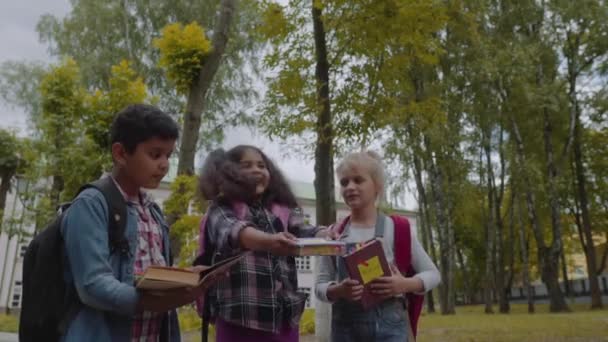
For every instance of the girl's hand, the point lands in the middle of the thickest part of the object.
(349, 289)
(282, 244)
(391, 286)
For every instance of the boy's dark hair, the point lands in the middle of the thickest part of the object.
(221, 180)
(137, 123)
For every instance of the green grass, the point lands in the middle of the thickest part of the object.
(9, 323)
(470, 324)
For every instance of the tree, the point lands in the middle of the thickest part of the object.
(192, 64)
(62, 104)
(19, 85)
(579, 30)
(98, 35)
(9, 162)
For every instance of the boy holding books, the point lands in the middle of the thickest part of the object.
(112, 309)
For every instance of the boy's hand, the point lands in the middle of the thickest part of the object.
(349, 289)
(163, 301)
(282, 244)
(198, 268)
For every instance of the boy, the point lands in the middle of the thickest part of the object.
(143, 138)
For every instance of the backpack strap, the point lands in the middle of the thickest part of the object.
(340, 226)
(117, 223)
(117, 213)
(282, 212)
(403, 259)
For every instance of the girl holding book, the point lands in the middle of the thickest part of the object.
(361, 178)
(253, 208)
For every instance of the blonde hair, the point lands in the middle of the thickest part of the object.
(369, 160)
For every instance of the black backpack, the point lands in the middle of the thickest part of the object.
(49, 304)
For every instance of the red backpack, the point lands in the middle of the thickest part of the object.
(403, 259)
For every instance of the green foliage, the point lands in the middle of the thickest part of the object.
(186, 231)
(19, 85)
(99, 35)
(126, 87)
(185, 204)
(184, 190)
(369, 64)
(182, 53)
(9, 158)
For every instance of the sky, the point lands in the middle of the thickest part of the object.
(19, 39)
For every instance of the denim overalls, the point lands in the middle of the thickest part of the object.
(385, 322)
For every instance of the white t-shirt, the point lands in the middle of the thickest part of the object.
(421, 262)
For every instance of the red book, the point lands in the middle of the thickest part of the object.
(366, 264)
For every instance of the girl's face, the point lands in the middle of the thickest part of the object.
(358, 188)
(253, 166)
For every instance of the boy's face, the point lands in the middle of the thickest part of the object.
(148, 164)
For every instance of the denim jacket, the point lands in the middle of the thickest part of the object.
(105, 282)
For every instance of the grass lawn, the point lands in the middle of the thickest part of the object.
(471, 324)
(9, 323)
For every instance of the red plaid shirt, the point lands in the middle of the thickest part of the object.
(146, 325)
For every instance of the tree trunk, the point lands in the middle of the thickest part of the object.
(604, 258)
(425, 221)
(504, 305)
(565, 272)
(445, 248)
(550, 256)
(324, 153)
(324, 161)
(489, 279)
(466, 287)
(532, 215)
(523, 244)
(425, 225)
(56, 189)
(197, 94)
(590, 254)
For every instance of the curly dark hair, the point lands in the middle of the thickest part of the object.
(221, 180)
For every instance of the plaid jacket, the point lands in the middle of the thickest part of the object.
(261, 291)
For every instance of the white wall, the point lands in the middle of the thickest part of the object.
(11, 254)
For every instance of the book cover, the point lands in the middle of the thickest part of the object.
(320, 246)
(160, 278)
(366, 264)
